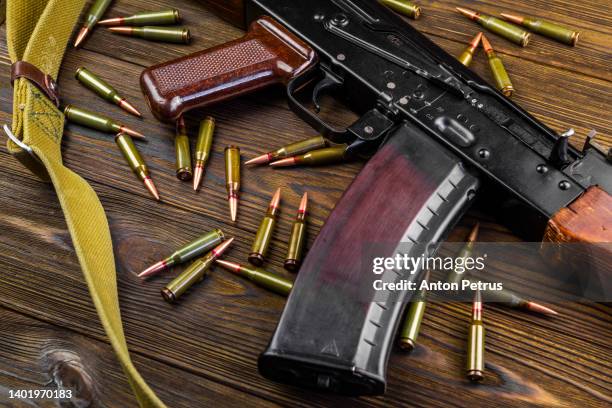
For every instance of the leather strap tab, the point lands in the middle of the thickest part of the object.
(23, 69)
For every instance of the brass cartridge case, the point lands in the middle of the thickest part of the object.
(404, 7)
(260, 246)
(184, 171)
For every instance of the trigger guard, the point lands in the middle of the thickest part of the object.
(336, 135)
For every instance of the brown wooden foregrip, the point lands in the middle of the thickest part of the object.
(580, 236)
(267, 54)
(586, 220)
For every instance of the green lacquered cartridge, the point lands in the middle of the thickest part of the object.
(95, 12)
(104, 90)
(476, 343)
(203, 146)
(500, 75)
(193, 273)
(260, 277)
(195, 248)
(179, 35)
(295, 249)
(259, 249)
(136, 162)
(292, 149)
(328, 155)
(184, 170)
(232, 178)
(97, 121)
(467, 55)
(466, 252)
(154, 18)
(545, 28)
(412, 322)
(500, 27)
(404, 7)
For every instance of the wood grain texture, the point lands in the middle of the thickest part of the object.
(205, 348)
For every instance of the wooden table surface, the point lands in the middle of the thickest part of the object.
(203, 351)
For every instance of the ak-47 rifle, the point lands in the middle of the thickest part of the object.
(437, 132)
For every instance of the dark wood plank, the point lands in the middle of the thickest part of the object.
(36, 355)
(216, 333)
(229, 320)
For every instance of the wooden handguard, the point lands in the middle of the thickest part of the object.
(267, 54)
(588, 220)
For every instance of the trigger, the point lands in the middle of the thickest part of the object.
(330, 82)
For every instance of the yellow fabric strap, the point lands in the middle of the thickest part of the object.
(38, 32)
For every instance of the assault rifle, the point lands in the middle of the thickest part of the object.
(436, 132)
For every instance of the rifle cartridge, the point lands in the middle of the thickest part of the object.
(162, 17)
(468, 54)
(136, 162)
(466, 252)
(232, 178)
(295, 249)
(545, 28)
(195, 248)
(404, 7)
(97, 9)
(504, 296)
(259, 276)
(502, 80)
(412, 322)
(178, 35)
(97, 121)
(500, 27)
(193, 273)
(476, 343)
(260, 246)
(104, 90)
(184, 171)
(317, 157)
(292, 149)
(203, 146)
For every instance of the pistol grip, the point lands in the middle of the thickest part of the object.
(266, 55)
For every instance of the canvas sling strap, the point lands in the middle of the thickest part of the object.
(37, 35)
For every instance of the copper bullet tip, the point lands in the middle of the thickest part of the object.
(230, 266)
(111, 21)
(474, 233)
(153, 269)
(131, 132)
(486, 45)
(275, 201)
(468, 13)
(513, 18)
(219, 249)
(303, 204)
(81, 36)
(125, 105)
(538, 308)
(477, 306)
(263, 159)
(289, 161)
(476, 41)
(151, 187)
(233, 205)
(198, 172)
(121, 30)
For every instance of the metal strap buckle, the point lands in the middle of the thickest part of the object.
(18, 142)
